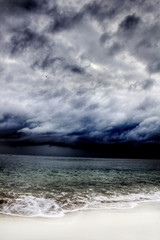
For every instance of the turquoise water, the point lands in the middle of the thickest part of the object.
(53, 186)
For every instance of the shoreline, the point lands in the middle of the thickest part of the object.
(139, 223)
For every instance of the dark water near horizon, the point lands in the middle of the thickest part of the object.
(53, 186)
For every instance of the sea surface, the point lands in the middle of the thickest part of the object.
(53, 186)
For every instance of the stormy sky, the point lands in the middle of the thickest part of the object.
(80, 74)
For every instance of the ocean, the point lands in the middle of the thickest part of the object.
(32, 186)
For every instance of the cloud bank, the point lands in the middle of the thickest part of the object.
(78, 73)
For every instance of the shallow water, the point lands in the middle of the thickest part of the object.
(52, 186)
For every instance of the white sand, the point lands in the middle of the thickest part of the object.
(141, 223)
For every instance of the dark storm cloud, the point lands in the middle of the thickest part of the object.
(80, 73)
(130, 23)
(29, 5)
(20, 5)
(9, 126)
(52, 62)
(67, 19)
(100, 10)
(75, 69)
(64, 21)
(21, 40)
(140, 35)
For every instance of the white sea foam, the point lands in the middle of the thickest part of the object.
(28, 205)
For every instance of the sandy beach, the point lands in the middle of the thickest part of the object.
(140, 223)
